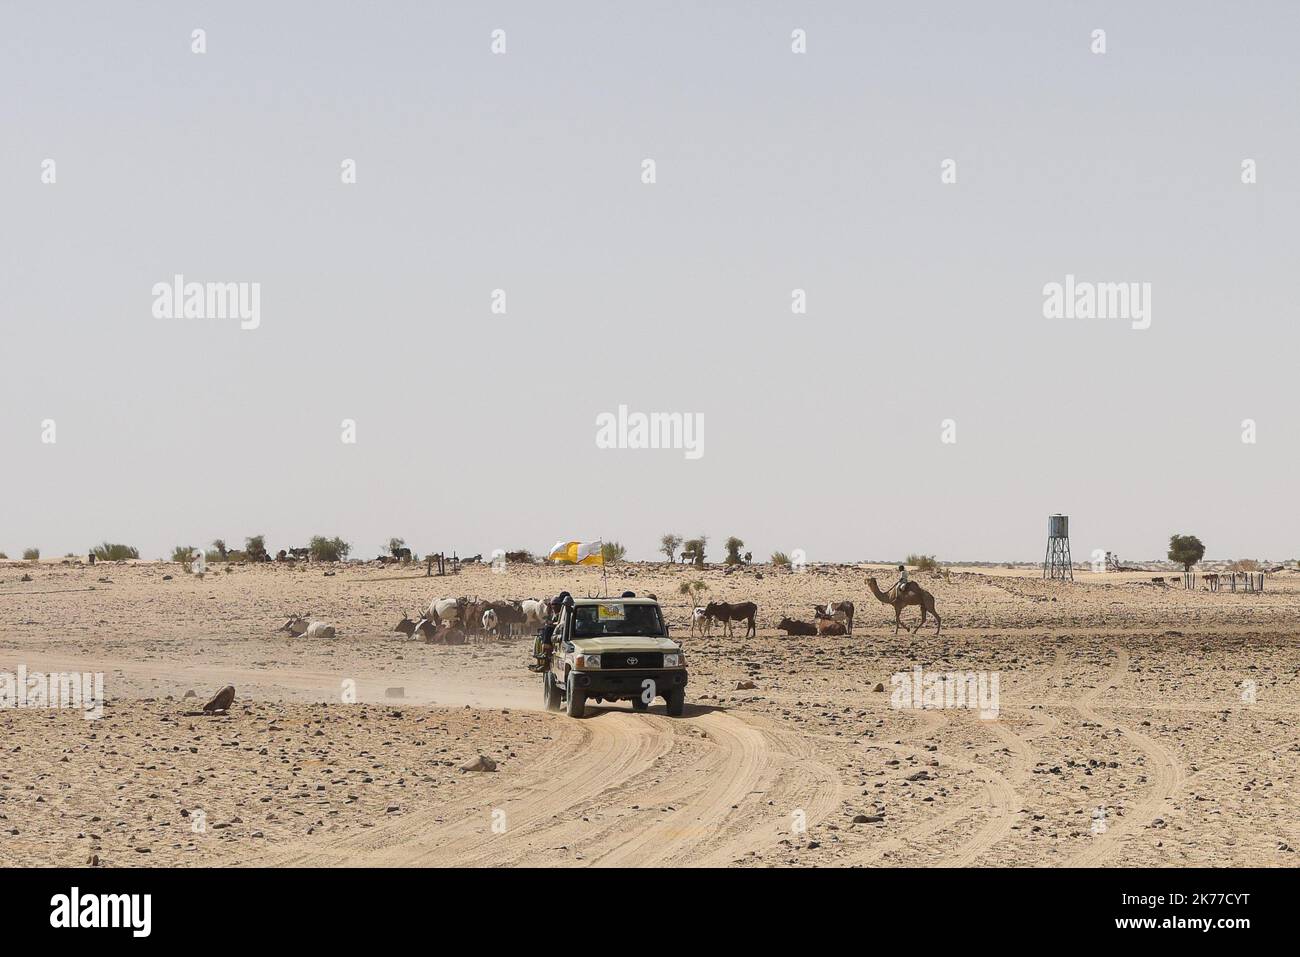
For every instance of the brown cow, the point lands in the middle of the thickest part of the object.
(829, 626)
(726, 613)
(840, 611)
(793, 628)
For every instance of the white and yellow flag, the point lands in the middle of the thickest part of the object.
(578, 553)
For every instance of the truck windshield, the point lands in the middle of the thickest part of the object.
(614, 618)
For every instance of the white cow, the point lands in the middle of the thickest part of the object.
(535, 612)
(701, 623)
(490, 622)
(445, 609)
(299, 627)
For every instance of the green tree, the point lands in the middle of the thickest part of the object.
(255, 548)
(669, 545)
(1187, 550)
(733, 546)
(693, 550)
(611, 552)
(328, 549)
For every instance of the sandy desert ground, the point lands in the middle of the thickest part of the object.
(1120, 703)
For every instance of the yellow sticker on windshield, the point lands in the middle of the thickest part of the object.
(610, 613)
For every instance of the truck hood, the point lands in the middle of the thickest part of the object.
(594, 646)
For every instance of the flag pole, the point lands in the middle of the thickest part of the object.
(604, 575)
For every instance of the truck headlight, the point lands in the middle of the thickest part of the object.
(672, 661)
(588, 661)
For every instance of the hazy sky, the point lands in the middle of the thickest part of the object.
(775, 171)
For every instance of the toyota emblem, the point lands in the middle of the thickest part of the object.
(631, 661)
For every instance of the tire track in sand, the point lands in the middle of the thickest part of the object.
(1165, 770)
(585, 759)
(574, 800)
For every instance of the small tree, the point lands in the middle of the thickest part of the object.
(31, 554)
(669, 545)
(328, 549)
(692, 590)
(183, 554)
(693, 550)
(255, 548)
(395, 545)
(611, 552)
(780, 559)
(924, 563)
(1187, 550)
(219, 546)
(733, 546)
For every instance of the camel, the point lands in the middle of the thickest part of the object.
(914, 596)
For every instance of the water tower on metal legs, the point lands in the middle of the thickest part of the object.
(1057, 563)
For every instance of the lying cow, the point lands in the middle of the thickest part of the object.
(829, 626)
(840, 611)
(800, 628)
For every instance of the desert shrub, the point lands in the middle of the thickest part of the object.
(612, 552)
(922, 563)
(183, 554)
(31, 554)
(520, 556)
(115, 552)
(693, 550)
(3, 557)
(733, 545)
(1245, 565)
(780, 559)
(328, 549)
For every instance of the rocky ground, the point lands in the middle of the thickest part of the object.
(1135, 725)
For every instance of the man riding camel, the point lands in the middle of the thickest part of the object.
(902, 585)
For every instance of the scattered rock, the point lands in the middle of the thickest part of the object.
(480, 763)
(222, 701)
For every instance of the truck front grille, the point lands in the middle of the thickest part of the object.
(631, 659)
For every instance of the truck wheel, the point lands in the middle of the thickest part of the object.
(676, 700)
(576, 700)
(550, 693)
(638, 704)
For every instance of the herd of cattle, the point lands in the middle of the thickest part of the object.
(453, 621)
(833, 618)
